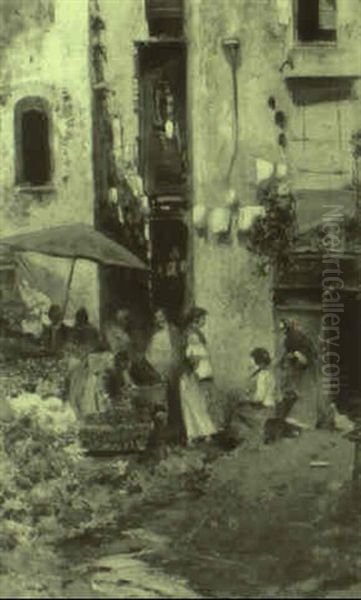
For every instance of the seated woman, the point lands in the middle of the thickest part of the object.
(117, 332)
(87, 386)
(119, 380)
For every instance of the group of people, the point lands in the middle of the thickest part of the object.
(191, 380)
(56, 335)
(180, 354)
(286, 387)
(176, 355)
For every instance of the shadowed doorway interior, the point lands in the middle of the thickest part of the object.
(350, 355)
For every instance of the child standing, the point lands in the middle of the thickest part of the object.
(264, 384)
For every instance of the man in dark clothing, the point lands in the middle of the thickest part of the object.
(55, 335)
(84, 333)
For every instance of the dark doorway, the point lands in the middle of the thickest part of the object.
(123, 288)
(162, 124)
(169, 238)
(350, 355)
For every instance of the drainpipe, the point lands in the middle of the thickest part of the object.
(231, 48)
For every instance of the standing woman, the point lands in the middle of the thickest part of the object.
(164, 357)
(159, 352)
(196, 383)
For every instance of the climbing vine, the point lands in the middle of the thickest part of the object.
(121, 218)
(356, 144)
(356, 154)
(272, 236)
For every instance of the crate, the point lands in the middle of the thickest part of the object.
(150, 397)
(125, 428)
(115, 439)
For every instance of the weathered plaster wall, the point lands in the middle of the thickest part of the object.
(44, 52)
(239, 302)
(319, 149)
(342, 58)
(120, 200)
(124, 25)
(266, 32)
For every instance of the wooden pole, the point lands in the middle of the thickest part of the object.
(356, 475)
(67, 291)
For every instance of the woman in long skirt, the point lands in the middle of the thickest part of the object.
(196, 382)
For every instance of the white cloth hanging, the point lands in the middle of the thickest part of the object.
(264, 169)
(219, 220)
(247, 216)
(284, 11)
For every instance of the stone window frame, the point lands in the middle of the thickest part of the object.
(23, 105)
(313, 42)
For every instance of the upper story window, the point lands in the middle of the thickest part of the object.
(165, 17)
(32, 139)
(316, 20)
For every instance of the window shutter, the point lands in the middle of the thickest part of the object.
(327, 14)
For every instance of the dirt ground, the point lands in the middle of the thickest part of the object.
(277, 520)
(269, 521)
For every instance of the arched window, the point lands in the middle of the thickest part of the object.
(32, 138)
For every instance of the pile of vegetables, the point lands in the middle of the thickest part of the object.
(40, 490)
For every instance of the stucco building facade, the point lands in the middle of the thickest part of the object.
(165, 117)
(44, 71)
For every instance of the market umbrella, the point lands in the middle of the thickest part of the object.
(74, 241)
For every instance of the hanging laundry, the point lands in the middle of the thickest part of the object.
(144, 204)
(169, 129)
(136, 184)
(219, 220)
(113, 195)
(247, 216)
(231, 198)
(327, 14)
(117, 137)
(120, 215)
(283, 189)
(284, 11)
(199, 216)
(264, 169)
(281, 170)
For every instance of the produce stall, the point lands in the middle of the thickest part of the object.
(127, 425)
